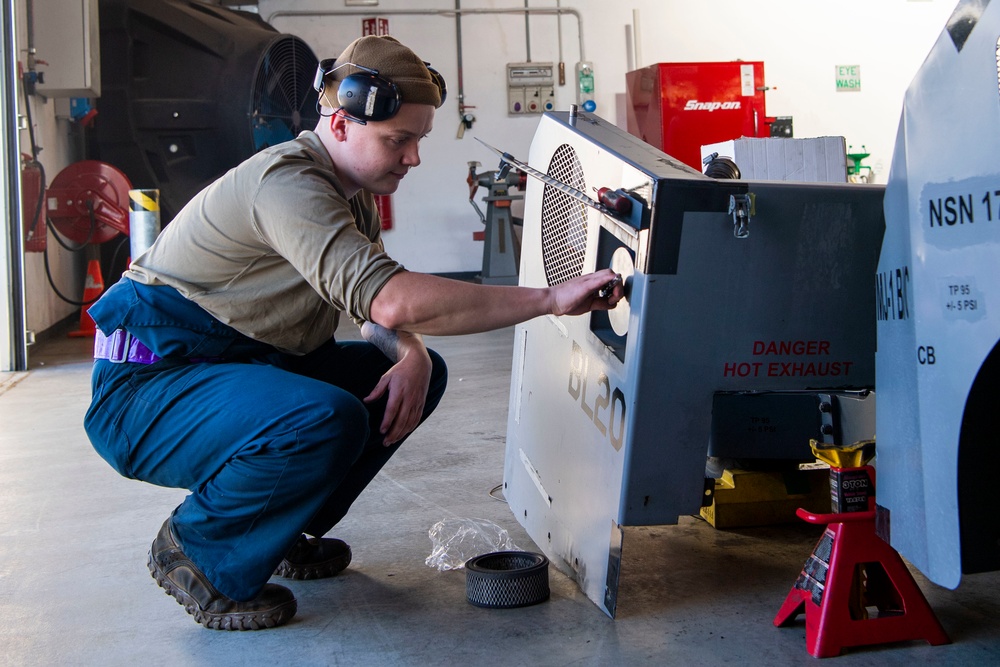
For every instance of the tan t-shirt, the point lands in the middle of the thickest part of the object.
(274, 249)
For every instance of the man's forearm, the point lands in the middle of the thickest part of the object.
(439, 306)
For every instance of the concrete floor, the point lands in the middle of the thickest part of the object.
(74, 589)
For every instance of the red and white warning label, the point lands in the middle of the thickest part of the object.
(799, 358)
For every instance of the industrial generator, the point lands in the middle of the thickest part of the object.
(747, 330)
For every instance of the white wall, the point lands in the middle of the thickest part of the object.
(42, 307)
(433, 220)
(800, 42)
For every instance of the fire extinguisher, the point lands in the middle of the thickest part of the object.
(32, 204)
(384, 205)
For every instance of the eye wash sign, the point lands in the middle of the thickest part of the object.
(848, 78)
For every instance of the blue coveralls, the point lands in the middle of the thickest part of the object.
(271, 445)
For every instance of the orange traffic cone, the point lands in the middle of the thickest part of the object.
(92, 289)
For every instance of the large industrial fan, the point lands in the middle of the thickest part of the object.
(191, 89)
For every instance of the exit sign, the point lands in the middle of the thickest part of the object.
(848, 78)
(375, 26)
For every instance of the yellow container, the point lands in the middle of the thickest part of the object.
(754, 498)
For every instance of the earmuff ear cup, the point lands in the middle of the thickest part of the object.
(368, 97)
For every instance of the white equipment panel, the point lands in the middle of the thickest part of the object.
(938, 309)
(752, 297)
(67, 39)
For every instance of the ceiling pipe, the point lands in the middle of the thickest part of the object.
(527, 32)
(562, 62)
(465, 117)
(636, 43)
(458, 41)
(374, 11)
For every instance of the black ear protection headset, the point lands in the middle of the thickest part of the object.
(365, 96)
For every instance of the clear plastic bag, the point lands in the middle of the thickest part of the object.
(454, 541)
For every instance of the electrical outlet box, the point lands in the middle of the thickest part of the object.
(516, 101)
(67, 48)
(530, 88)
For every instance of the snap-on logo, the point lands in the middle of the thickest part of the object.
(695, 105)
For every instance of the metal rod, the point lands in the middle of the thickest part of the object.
(562, 63)
(374, 11)
(636, 43)
(565, 188)
(629, 49)
(458, 41)
(527, 32)
(29, 15)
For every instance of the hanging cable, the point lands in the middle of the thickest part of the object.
(71, 248)
(48, 273)
(35, 150)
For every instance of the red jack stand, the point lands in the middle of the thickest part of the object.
(851, 570)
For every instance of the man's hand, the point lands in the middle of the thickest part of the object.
(404, 385)
(582, 295)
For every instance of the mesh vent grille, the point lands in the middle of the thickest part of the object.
(564, 219)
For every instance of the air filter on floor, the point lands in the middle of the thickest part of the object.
(507, 579)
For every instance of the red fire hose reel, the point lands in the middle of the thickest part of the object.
(88, 202)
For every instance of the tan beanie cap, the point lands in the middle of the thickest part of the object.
(395, 62)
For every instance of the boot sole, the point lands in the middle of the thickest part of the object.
(314, 571)
(256, 620)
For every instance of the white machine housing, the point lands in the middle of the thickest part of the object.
(938, 309)
(727, 347)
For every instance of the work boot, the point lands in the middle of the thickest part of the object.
(315, 558)
(179, 577)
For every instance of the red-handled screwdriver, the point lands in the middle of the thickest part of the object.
(616, 200)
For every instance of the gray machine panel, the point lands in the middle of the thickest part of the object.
(612, 428)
